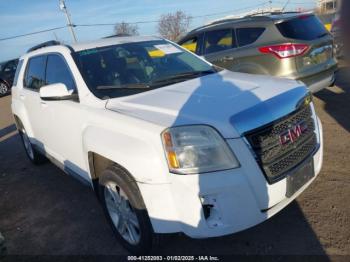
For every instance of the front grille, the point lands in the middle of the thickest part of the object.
(275, 158)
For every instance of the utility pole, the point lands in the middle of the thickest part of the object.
(63, 8)
(285, 6)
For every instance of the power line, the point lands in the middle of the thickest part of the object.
(193, 17)
(144, 22)
(32, 33)
(110, 24)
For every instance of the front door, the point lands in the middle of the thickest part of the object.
(29, 96)
(64, 118)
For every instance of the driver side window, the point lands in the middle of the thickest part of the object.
(57, 71)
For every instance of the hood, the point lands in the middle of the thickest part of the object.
(233, 103)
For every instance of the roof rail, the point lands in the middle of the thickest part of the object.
(45, 44)
(236, 19)
(226, 20)
(268, 13)
(117, 35)
(263, 16)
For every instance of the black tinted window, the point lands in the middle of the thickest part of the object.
(57, 71)
(11, 66)
(247, 36)
(191, 44)
(19, 66)
(218, 40)
(306, 27)
(35, 77)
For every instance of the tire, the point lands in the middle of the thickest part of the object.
(4, 89)
(32, 153)
(3, 250)
(127, 214)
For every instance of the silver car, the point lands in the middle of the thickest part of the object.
(291, 45)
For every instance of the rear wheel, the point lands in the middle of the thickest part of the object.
(125, 210)
(3, 89)
(33, 154)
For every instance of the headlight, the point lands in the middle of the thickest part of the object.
(196, 149)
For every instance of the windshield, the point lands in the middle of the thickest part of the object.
(127, 69)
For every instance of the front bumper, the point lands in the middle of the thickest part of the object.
(238, 199)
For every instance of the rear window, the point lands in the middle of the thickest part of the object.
(306, 27)
(247, 36)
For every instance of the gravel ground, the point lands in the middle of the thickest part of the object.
(45, 212)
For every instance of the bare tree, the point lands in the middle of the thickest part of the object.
(125, 28)
(173, 25)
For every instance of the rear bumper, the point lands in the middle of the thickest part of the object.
(322, 83)
(338, 45)
(320, 80)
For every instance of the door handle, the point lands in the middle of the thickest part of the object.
(22, 97)
(228, 58)
(43, 104)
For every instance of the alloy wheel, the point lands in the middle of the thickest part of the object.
(3, 88)
(122, 213)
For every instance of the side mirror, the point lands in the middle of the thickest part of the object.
(56, 92)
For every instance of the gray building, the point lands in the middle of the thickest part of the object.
(328, 6)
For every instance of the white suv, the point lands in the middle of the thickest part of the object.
(169, 142)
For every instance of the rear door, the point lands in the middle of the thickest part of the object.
(219, 47)
(308, 29)
(248, 57)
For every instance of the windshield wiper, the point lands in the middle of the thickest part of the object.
(181, 77)
(124, 86)
(158, 82)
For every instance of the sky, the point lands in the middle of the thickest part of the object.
(25, 16)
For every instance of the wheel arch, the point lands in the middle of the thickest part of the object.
(21, 118)
(5, 82)
(137, 153)
(18, 122)
(97, 164)
(141, 154)
(149, 193)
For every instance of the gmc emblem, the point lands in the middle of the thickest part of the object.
(293, 133)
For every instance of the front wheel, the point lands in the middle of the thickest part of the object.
(125, 210)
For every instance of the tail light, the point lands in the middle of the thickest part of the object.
(285, 50)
